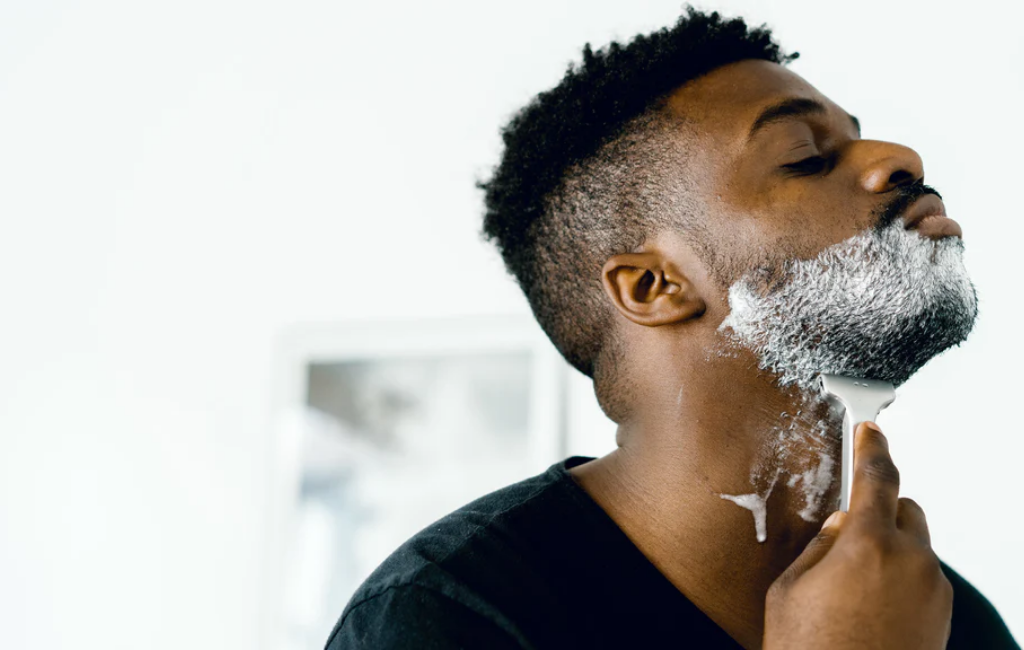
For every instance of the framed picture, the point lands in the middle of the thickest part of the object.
(382, 428)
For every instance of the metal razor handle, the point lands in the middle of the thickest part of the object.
(862, 400)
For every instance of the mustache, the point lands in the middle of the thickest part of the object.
(903, 197)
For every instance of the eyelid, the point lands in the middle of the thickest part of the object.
(811, 165)
(788, 155)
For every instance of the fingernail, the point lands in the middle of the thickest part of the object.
(832, 519)
(874, 427)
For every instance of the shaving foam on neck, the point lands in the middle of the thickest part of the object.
(798, 452)
(758, 506)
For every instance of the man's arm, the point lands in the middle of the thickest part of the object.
(413, 617)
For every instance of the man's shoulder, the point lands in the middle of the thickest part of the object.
(411, 615)
(453, 571)
(493, 523)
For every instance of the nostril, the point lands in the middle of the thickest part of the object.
(900, 177)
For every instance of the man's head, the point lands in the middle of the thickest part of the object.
(576, 184)
(661, 173)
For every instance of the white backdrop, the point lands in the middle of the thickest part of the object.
(180, 181)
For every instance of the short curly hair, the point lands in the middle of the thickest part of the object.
(574, 187)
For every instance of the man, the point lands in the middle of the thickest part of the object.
(703, 233)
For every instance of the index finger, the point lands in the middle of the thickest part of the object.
(875, 492)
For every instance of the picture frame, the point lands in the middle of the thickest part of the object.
(380, 428)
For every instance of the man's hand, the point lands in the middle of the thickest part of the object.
(870, 579)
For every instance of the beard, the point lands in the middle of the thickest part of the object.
(879, 305)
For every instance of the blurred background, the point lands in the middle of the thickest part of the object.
(251, 339)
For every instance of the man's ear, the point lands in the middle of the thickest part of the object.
(649, 291)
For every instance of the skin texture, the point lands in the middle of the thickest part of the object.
(697, 422)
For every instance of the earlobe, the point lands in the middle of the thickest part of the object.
(648, 291)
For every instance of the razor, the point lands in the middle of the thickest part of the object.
(861, 400)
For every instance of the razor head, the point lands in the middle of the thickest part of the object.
(862, 399)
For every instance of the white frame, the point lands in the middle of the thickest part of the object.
(300, 346)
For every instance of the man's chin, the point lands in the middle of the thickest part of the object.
(880, 305)
(895, 358)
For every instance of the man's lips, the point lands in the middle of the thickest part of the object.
(927, 216)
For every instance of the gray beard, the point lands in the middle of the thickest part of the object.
(879, 305)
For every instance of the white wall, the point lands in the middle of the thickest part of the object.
(180, 181)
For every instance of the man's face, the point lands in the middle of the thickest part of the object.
(792, 185)
(807, 229)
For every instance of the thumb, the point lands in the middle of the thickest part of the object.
(816, 549)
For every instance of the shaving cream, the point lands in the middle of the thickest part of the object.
(758, 506)
(801, 451)
(878, 305)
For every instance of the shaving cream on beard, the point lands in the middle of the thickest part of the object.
(877, 305)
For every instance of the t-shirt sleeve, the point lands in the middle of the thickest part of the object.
(976, 623)
(408, 617)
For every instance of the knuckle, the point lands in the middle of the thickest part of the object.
(822, 540)
(945, 589)
(924, 562)
(908, 511)
(881, 469)
(910, 504)
(778, 590)
(924, 566)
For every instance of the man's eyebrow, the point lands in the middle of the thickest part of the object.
(792, 107)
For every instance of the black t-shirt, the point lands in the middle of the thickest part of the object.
(539, 565)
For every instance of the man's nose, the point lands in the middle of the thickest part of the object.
(885, 166)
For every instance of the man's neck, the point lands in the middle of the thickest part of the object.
(706, 470)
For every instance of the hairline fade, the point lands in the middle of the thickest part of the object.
(577, 182)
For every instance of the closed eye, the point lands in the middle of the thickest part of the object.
(811, 165)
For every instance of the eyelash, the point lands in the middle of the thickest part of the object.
(808, 166)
